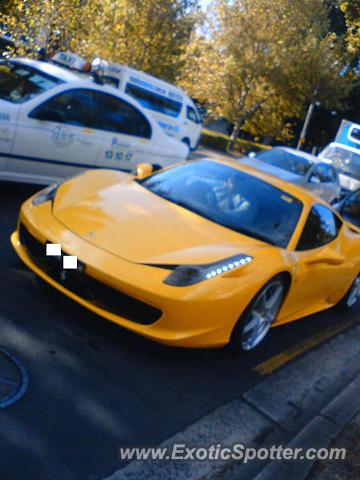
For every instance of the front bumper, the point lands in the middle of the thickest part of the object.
(198, 316)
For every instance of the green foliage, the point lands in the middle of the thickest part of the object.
(149, 35)
(261, 62)
(351, 10)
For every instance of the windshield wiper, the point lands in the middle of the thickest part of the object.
(256, 235)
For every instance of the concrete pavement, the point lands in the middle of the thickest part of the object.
(305, 405)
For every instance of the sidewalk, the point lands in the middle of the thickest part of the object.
(348, 469)
(306, 404)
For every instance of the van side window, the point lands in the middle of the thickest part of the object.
(153, 101)
(191, 114)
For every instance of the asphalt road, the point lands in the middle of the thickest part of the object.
(93, 386)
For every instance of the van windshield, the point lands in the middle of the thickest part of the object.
(19, 82)
(346, 161)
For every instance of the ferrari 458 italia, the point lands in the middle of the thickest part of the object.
(201, 254)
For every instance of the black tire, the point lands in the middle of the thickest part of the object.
(237, 337)
(349, 301)
(186, 141)
(44, 286)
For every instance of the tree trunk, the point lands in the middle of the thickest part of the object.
(240, 122)
(235, 133)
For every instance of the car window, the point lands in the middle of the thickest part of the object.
(230, 197)
(93, 109)
(19, 82)
(154, 101)
(191, 114)
(78, 107)
(121, 117)
(350, 209)
(286, 161)
(322, 226)
(324, 173)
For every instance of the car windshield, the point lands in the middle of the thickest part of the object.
(19, 82)
(231, 198)
(286, 161)
(346, 161)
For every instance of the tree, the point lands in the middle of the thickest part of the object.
(36, 25)
(351, 10)
(149, 35)
(260, 62)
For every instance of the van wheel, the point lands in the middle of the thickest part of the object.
(187, 142)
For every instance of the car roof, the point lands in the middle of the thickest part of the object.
(299, 153)
(148, 77)
(305, 196)
(63, 74)
(272, 169)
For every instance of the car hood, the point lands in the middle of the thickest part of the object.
(275, 171)
(113, 212)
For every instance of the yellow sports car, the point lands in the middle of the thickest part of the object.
(197, 255)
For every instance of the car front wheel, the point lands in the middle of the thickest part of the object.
(258, 318)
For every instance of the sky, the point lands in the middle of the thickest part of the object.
(205, 3)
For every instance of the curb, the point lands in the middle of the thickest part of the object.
(306, 405)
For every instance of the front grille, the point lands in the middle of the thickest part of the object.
(87, 287)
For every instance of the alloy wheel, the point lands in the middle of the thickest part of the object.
(262, 315)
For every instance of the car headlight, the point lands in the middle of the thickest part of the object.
(185, 275)
(46, 195)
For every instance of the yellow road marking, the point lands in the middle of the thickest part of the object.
(272, 364)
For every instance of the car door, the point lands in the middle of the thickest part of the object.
(332, 189)
(126, 134)
(56, 137)
(322, 180)
(8, 119)
(322, 270)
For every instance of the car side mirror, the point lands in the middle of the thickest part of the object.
(314, 179)
(144, 170)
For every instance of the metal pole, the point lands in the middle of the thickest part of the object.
(305, 126)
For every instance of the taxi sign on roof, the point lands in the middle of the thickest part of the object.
(70, 60)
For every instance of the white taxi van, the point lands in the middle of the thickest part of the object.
(174, 110)
(55, 122)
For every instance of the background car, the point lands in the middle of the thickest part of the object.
(300, 168)
(349, 208)
(55, 123)
(201, 254)
(347, 161)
